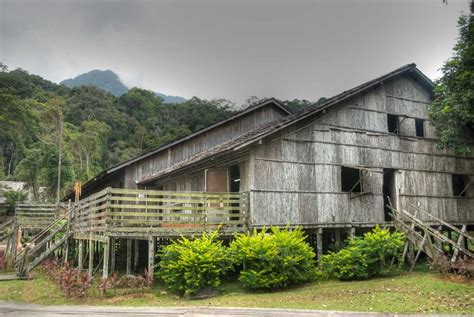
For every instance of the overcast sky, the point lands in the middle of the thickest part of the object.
(229, 49)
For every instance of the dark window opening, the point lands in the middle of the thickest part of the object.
(388, 189)
(419, 127)
(350, 180)
(392, 123)
(459, 185)
(234, 185)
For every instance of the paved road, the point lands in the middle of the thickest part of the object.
(27, 310)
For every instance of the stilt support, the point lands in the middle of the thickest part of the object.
(129, 257)
(80, 257)
(135, 254)
(319, 244)
(91, 258)
(106, 261)
(151, 255)
(112, 255)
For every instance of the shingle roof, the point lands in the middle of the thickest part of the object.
(274, 126)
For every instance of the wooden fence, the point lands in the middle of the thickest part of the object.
(128, 212)
(36, 216)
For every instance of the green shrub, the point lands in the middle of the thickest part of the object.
(188, 266)
(364, 257)
(273, 260)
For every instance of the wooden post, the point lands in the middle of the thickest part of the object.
(352, 233)
(129, 257)
(151, 255)
(91, 258)
(459, 244)
(112, 255)
(80, 258)
(319, 244)
(337, 237)
(105, 268)
(135, 254)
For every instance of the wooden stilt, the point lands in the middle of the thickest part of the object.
(135, 254)
(80, 257)
(112, 255)
(319, 244)
(337, 238)
(106, 261)
(151, 255)
(91, 258)
(352, 233)
(129, 256)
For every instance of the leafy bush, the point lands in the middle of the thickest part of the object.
(273, 260)
(364, 257)
(189, 266)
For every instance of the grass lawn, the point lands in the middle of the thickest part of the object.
(406, 293)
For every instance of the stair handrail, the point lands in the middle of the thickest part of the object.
(41, 233)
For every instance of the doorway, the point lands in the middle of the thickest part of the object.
(388, 190)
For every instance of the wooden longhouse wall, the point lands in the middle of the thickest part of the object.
(296, 174)
(199, 143)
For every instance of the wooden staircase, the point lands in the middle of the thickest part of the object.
(423, 235)
(6, 230)
(43, 245)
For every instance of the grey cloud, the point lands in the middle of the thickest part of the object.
(232, 49)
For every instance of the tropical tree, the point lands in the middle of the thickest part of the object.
(452, 111)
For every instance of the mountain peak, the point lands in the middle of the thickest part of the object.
(105, 79)
(110, 82)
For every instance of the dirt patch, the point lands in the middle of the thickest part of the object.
(455, 278)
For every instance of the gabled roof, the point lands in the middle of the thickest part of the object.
(275, 126)
(235, 116)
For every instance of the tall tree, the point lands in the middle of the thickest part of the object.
(452, 112)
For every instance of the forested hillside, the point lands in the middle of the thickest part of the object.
(94, 128)
(91, 128)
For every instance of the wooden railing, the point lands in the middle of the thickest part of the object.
(141, 212)
(36, 216)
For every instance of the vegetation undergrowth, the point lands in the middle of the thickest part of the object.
(364, 257)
